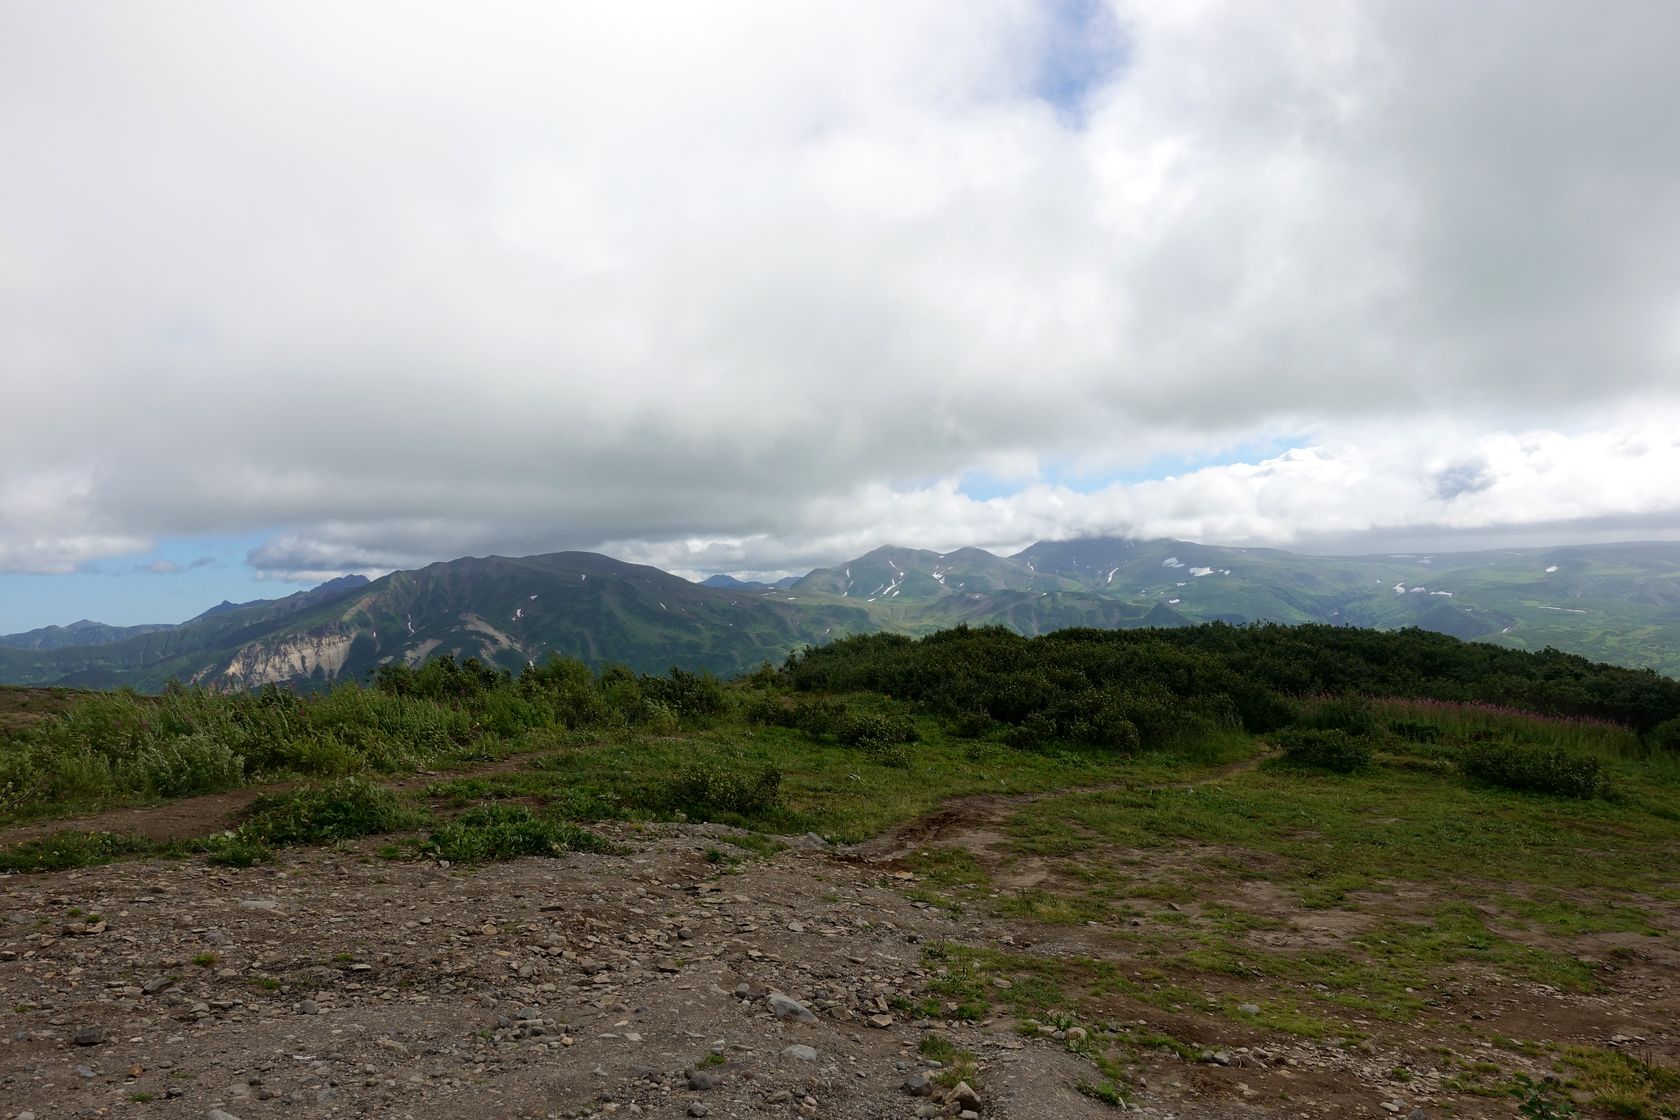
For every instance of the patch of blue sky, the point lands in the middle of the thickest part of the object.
(1069, 475)
(177, 579)
(1082, 50)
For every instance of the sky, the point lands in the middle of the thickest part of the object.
(294, 289)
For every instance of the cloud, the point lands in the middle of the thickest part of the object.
(162, 568)
(1464, 477)
(751, 284)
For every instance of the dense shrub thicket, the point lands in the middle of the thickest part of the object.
(1084, 685)
(1325, 749)
(1332, 698)
(1533, 769)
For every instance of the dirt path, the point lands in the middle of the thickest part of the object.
(215, 812)
(976, 822)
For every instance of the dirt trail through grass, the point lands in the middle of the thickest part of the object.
(211, 813)
(975, 823)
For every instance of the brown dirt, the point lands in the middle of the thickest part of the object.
(338, 984)
(215, 812)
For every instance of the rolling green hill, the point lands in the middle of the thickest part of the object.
(1615, 603)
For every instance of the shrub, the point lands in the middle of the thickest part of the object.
(1330, 749)
(1533, 769)
(181, 767)
(970, 723)
(341, 810)
(1666, 735)
(1344, 713)
(819, 718)
(876, 732)
(705, 789)
(690, 695)
(1415, 731)
(58, 851)
(497, 832)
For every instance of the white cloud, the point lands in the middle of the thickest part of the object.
(750, 286)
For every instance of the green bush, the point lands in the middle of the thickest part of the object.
(1533, 769)
(1330, 749)
(873, 731)
(818, 717)
(1666, 735)
(692, 696)
(497, 832)
(1344, 713)
(1415, 731)
(68, 848)
(343, 810)
(703, 790)
(183, 766)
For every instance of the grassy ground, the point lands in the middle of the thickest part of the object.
(1332, 907)
(1180, 887)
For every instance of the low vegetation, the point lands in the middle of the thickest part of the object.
(1203, 802)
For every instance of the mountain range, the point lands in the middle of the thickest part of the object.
(1618, 603)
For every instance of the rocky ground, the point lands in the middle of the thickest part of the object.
(661, 980)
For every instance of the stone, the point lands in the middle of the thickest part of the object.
(218, 1114)
(258, 904)
(698, 1109)
(1076, 1034)
(919, 1085)
(155, 985)
(788, 1008)
(308, 1007)
(880, 1022)
(963, 1096)
(800, 1052)
(90, 1036)
(86, 1073)
(1248, 1008)
(700, 1081)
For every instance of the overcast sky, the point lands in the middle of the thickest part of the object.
(298, 288)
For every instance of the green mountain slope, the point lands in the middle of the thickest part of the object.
(1615, 603)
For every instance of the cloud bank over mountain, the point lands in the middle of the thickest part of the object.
(754, 286)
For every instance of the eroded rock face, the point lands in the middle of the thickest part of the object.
(263, 663)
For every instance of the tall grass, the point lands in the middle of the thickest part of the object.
(116, 746)
(1471, 722)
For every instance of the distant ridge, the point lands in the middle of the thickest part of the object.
(1615, 603)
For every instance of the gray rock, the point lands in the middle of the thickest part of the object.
(308, 1007)
(218, 1114)
(85, 1072)
(90, 1036)
(1248, 1008)
(697, 1109)
(258, 904)
(788, 1008)
(919, 1085)
(700, 1081)
(801, 1052)
(155, 985)
(964, 1097)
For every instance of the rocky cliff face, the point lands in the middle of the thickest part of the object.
(274, 662)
